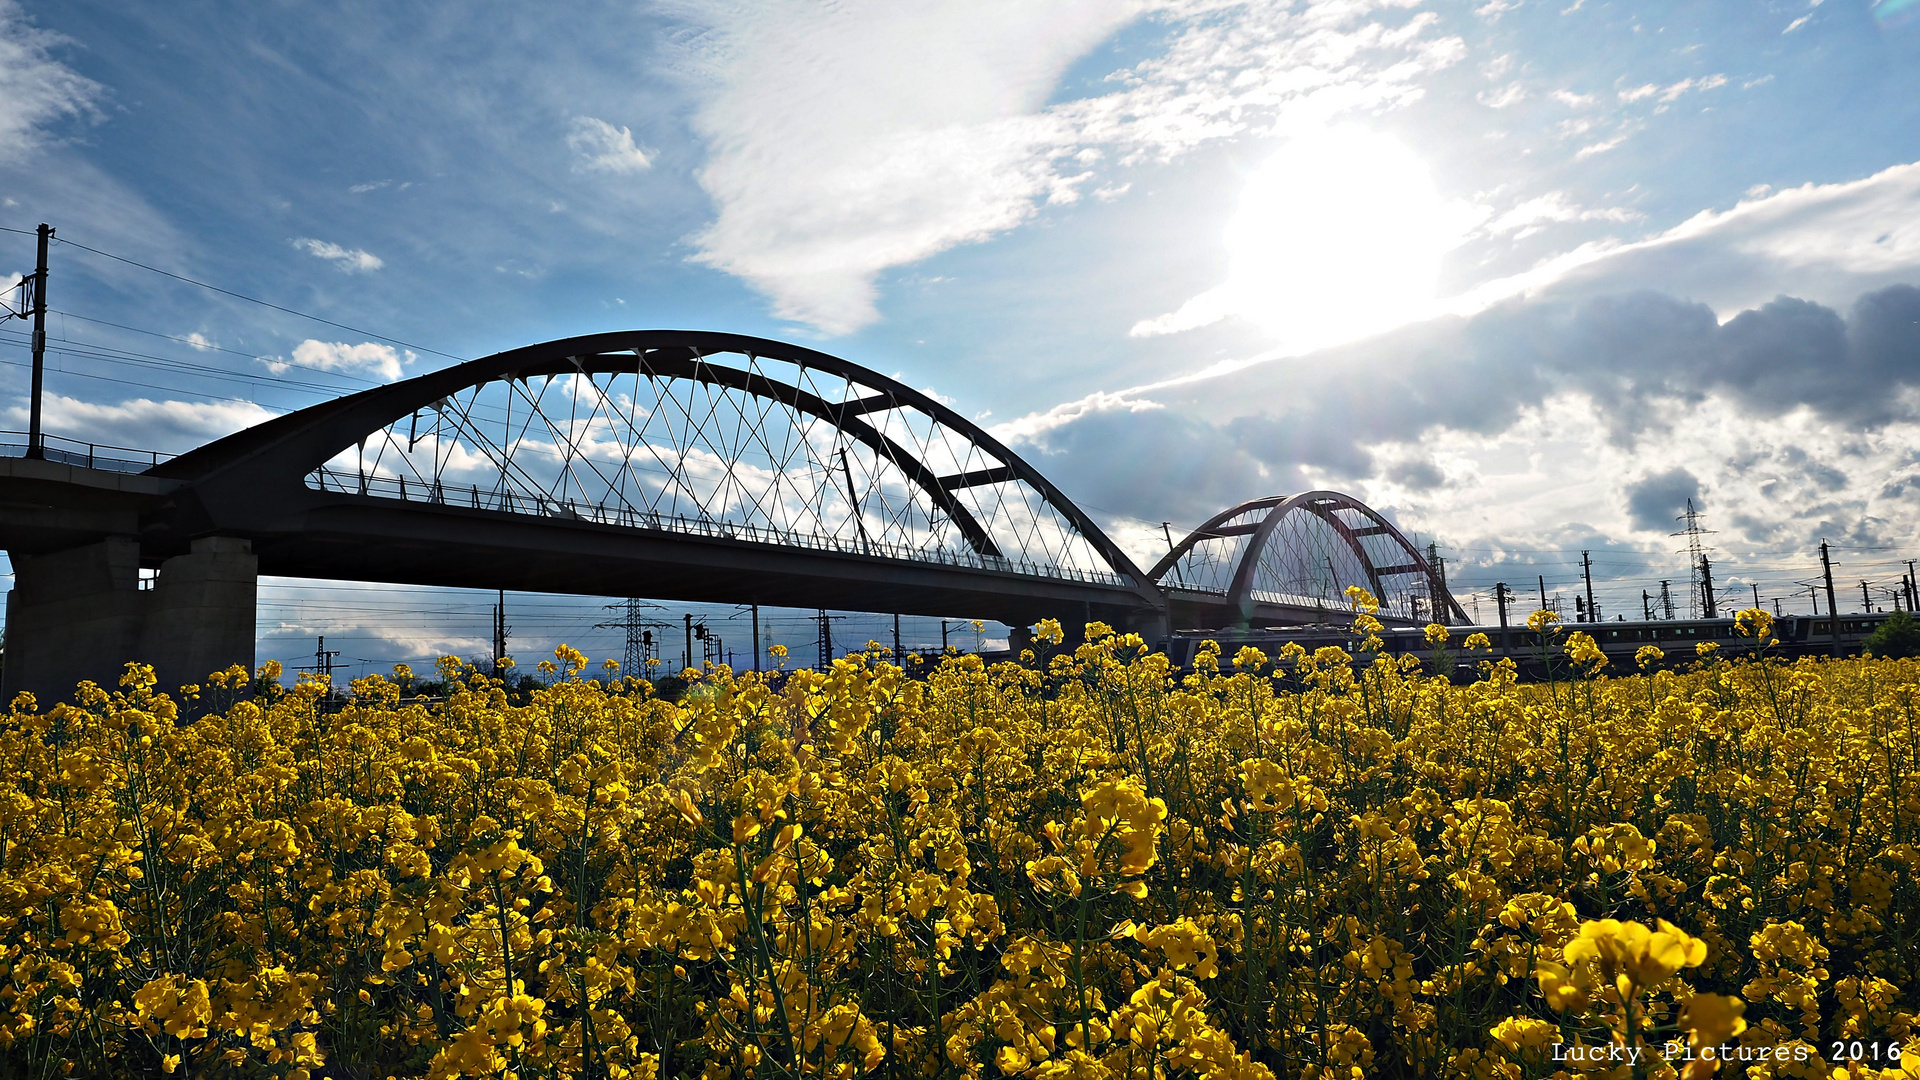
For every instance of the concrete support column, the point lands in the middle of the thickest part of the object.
(73, 615)
(82, 614)
(200, 615)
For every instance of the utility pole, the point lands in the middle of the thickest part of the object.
(1166, 530)
(1500, 597)
(500, 634)
(36, 438)
(826, 641)
(756, 637)
(1586, 570)
(687, 657)
(323, 661)
(1542, 578)
(1814, 597)
(1666, 599)
(897, 658)
(1646, 605)
(1913, 588)
(1833, 606)
(1706, 589)
(1866, 602)
(1756, 593)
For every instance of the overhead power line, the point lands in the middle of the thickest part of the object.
(211, 347)
(254, 299)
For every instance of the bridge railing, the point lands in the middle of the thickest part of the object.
(87, 455)
(628, 516)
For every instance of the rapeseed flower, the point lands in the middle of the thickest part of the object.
(1311, 866)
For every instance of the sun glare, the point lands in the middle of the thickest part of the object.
(1339, 236)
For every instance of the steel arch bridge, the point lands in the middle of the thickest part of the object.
(1288, 559)
(672, 464)
(681, 465)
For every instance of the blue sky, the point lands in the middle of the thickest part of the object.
(1522, 273)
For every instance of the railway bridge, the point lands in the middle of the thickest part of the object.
(672, 464)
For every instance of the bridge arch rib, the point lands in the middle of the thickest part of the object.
(701, 434)
(1290, 559)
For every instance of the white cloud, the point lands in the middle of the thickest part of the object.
(362, 189)
(352, 260)
(1511, 94)
(845, 141)
(1033, 427)
(368, 359)
(200, 341)
(166, 426)
(1555, 467)
(1555, 207)
(1598, 148)
(1569, 98)
(35, 89)
(601, 147)
(1823, 242)
(1669, 94)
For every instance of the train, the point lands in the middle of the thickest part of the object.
(1797, 636)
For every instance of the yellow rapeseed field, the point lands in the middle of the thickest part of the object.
(1083, 865)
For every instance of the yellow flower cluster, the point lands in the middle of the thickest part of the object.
(1080, 866)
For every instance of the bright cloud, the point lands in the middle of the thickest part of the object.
(352, 260)
(368, 359)
(166, 426)
(844, 142)
(1339, 236)
(1555, 207)
(1600, 147)
(1832, 240)
(1671, 93)
(35, 89)
(1511, 94)
(601, 147)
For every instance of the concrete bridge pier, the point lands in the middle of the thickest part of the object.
(82, 614)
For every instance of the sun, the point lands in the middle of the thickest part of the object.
(1339, 236)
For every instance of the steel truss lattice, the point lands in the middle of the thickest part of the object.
(725, 436)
